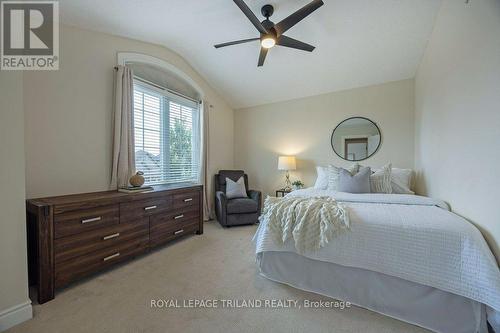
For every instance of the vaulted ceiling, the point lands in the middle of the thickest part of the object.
(358, 42)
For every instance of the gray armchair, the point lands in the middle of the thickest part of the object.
(237, 211)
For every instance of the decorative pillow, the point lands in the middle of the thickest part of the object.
(380, 180)
(333, 175)
(401, 181)
(322, 179)
(236, 189)
(358, 183)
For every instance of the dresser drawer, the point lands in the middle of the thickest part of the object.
(133, 211)
(164, 233)
(187, 199)
(92, 262)
(178, 216)
(76, 245)
(74, 222)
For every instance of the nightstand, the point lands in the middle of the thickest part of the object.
(283, 192)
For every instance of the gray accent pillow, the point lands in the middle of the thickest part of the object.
(236, 189)
(333, 175)
(358, 183)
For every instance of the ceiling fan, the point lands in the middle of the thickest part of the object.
(272, 34)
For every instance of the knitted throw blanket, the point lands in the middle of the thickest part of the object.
(311, 222)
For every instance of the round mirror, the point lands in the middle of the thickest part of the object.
(356, 139)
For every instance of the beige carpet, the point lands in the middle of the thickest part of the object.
(217, 265)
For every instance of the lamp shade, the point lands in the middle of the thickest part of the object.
(286, 163)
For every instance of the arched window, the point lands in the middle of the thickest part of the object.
(167, 127)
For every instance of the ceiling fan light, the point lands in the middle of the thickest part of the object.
(268, 42)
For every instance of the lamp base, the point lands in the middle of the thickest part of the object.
(288, 184)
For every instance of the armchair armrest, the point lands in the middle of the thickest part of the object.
(220, 206)
(221, 196)
(257, 196)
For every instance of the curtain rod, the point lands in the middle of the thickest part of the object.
(164, 88)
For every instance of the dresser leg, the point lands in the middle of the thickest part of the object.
(45, 254)
(45, 294)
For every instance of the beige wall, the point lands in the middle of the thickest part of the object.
(303, 128)
(68, 114)
(458, 113)
(14, 303)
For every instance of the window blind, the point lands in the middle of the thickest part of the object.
(167, 136)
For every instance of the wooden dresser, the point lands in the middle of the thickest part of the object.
(72, 236)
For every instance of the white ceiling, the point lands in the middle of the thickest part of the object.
(358, 42)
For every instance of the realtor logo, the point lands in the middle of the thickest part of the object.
(30, 35)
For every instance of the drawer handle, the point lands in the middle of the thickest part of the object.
(179, 232)
(94, 219)
(188, 199)
(150, 207)
(111, 256)
(178, 217)
(111, 236)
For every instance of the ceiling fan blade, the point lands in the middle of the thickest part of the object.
(296, 17)
(294, 44)
(236, 42)
(250, 15)
(262, 56)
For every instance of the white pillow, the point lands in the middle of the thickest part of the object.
(236, 189)
(380, 180)
(401, 181)
(333, 175)
(322, 179)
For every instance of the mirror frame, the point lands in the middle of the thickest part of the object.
(356, 117)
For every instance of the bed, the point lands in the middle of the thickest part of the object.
(404, 256)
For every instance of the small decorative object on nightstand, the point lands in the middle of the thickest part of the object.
(297, 185)
(283, 192)
(287, 163)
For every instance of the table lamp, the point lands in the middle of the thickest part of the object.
(287, 163)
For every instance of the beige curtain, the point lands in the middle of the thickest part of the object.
(123, 130)
(207, 202)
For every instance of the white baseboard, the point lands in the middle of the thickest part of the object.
(15, 315)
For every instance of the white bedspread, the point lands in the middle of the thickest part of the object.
(410, 237)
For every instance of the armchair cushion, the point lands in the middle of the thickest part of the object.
(242, 206)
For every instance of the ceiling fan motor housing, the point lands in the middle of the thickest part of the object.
(267, 11)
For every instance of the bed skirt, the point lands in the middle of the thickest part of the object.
(424, 306)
